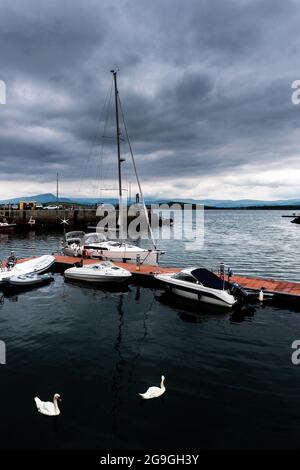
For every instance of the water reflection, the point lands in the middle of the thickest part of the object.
(193, 312)
(119, 367)
(105, 287)
(145, 331)
(190, 311)
(12, 292)
(119, 379)
(10, 296)
(4, 237)
(31, 235)
(240, 315)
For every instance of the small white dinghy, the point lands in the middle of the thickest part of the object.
(35, 265)
(98, 273)
(31, 279)
(48, 408)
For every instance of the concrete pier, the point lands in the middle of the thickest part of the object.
(78, 218)
(45, 218)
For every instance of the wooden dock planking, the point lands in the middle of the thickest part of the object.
(251, 283)
(269, 285)
(146, 271)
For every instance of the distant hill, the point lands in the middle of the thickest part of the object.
(50, 198)
(228, 203)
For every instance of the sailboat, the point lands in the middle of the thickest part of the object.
(96, 245)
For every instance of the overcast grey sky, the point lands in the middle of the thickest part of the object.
(205, 84)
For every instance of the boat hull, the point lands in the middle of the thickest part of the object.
(198, 297)
(124, 256)
(36, 265)
(147, 258)
(97, 274)
(28, 280)
(96, 280)
(198, 293)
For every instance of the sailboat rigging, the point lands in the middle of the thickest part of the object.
(96, 245)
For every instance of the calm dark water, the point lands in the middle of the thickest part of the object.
(230, 381)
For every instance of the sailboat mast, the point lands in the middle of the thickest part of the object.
(57, 190)
(118, 134)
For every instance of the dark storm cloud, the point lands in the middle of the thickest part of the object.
(205, 85)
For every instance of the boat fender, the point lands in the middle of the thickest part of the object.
(138, 262)
(76, 249)
(261, 295)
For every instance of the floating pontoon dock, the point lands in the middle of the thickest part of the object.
(288, 292)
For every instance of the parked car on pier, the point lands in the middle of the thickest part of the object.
(51, 207)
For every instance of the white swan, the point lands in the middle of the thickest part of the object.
(47, 407)
(154, 392)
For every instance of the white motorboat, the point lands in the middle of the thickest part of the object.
(6, 227)
(28, 280)
(202, 285)
(95, 245)
(35, 265)
(72, 243)
(98, 273)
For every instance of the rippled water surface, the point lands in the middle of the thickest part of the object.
(230, 381)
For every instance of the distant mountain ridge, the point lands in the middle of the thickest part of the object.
(50, 198)
(227, 203)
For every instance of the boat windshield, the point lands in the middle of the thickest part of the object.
(111, 243)
(91, 238)
(75, 234)
(185, 277)
(107, 264)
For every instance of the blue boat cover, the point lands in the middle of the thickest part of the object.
(209, 279)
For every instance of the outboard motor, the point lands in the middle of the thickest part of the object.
(239, 293)
(11, 260)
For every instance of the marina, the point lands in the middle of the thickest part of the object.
(284, 290)
(128, 334)
(149, 230)
(100, 308)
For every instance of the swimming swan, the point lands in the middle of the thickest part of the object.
(154, 392)
(47, 407)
